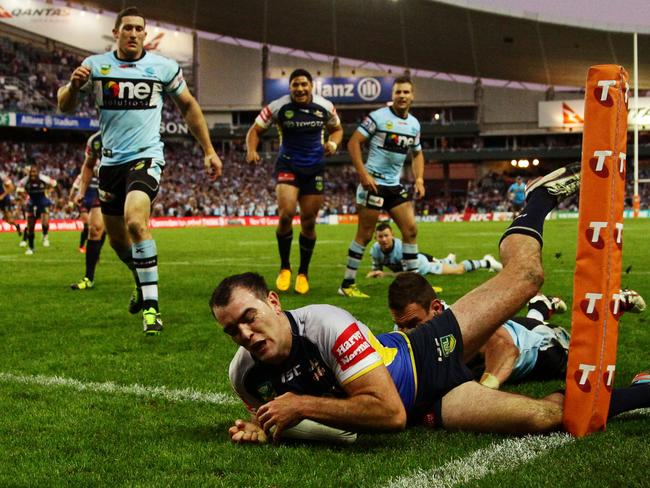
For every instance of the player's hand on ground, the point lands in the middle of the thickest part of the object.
(213, 165)
(247, 433)
(368, 182)
(419, 189)
(79, 77)
(376, 274)
(279, 414)
(252, 157)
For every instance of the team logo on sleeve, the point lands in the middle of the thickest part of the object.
(351, 347)
(448, 344)
(105, 69)
(369, 125)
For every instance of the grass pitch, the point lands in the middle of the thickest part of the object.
(69, 362)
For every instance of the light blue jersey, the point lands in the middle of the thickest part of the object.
(391, 137)
(529, 343)
(519, 191)
(129, 97)
(394, 260)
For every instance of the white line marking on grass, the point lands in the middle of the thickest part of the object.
(498, 457)
(184, 395)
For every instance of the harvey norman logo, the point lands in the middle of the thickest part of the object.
(570, 113)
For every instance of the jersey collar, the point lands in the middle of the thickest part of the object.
(398, 115)
(144, 53)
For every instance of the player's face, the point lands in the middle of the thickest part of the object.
(402, 97)
(385, 239)
(130, 37)
(300, 89)
(412, 315)
(257, 325)
(33, 173)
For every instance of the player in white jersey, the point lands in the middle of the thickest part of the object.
(392, 133)
(128, 85)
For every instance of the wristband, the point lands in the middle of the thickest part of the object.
(336, 146)
(490, 381)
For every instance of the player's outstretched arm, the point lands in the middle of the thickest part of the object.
(68, 95)
(354, 148)
(247, 433)
(193, 115)
(373, 404)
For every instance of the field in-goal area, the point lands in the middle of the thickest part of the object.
(86, 399)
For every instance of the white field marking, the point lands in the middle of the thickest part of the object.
(498, 457)
(184, 395)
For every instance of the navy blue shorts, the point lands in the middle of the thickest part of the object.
(309, 181)
(438, 352)
(118, 180)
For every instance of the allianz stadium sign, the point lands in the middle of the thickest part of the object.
(570, 113)
(367, 89)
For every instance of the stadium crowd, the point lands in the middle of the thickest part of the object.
(249, 190)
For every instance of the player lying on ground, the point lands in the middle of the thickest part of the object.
(524, 348)
(387, 252)
(320, 363)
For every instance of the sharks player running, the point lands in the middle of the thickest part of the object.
(392, 132)
(128, 85)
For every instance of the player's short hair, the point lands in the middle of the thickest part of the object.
(300, 72)
(128, 12)
(409, 288)
(383, 226)
(403, 79)
(250, 281)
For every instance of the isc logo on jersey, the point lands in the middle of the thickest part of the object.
(129, 94)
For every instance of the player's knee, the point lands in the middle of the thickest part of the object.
(410, 233)
(136, 229)
(95, 232)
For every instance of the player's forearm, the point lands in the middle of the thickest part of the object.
(358, 413)
(252, 139)
(418, 166)
(198, 127)
(86, 176)
(67, 98)
(336, 135)
(354, 149)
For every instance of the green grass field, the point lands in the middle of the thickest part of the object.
(69, 363)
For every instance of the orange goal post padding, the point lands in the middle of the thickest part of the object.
(597, 281)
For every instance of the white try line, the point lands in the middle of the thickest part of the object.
(184, 395)
(500, 456)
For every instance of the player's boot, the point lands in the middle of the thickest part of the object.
(495, 266)
(632, 302)
(642, 378)
(29, 252)
(23, 244)
(283, 281)
(46, 241)
(302, 284)
(151, 322)
(352, 292)
(550, 305)
(135, 303)
(83, 284)
(561, 183)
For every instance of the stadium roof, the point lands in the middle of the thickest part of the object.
(436, 36)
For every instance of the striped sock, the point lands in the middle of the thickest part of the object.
(474, 264)
(145, 260)
(410, 256)
(355, 255)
